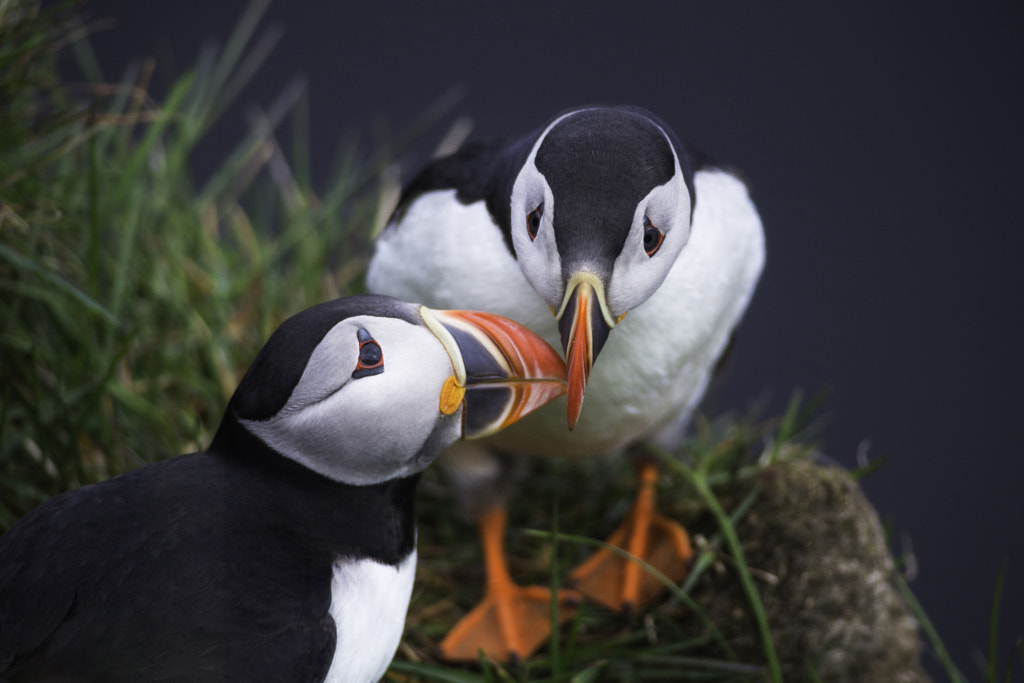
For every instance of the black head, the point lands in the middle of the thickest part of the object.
(599, 164)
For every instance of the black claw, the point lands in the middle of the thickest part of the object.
(627, 611)
(514, 658)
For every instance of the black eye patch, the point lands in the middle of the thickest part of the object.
(371, 357)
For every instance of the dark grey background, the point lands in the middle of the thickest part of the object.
(883, 146)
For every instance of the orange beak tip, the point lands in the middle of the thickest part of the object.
(577, 385)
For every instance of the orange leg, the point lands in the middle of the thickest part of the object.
(511, 622)
(622, 584)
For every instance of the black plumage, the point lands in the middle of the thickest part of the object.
(210, 565)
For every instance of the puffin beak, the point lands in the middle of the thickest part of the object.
(584, 326)
(503, 371)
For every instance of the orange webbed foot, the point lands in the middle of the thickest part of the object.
(507, 625)
(622, 584)
(512, 621)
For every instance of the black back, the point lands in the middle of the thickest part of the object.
(211, 566)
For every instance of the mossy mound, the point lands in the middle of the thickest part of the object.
(818, 553)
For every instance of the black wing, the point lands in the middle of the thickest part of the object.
(469, 171)
(143, 577)
(478, 171)
(33, 599)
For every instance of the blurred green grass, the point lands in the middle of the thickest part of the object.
(133, 298)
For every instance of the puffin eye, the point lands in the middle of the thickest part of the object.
(652, 237)
(533, 221)
(371, 358)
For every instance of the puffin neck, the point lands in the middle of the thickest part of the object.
(343, 520)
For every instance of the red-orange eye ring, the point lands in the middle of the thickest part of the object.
(533, 221)
(652, 238)
(371, 357)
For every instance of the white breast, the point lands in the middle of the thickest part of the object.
(368, 604)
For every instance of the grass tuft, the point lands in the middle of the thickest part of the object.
(133, 300)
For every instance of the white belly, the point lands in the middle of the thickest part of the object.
(368, 604)
(656, 363)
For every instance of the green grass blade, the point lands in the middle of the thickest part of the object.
(261, 131)
(732, 541)
(993, 630)
(234, 49)
(554, 647)
(26, 264)
(590, 673)
(1018, 648)
(144, 149)
(253, 60)
(929, 629)
(434, 672)
(650, 569)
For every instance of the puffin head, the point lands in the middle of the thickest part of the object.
(599, 212)
(368, 388)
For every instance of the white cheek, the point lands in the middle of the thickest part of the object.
(388, 417)
(371, 429)
(633, 280)
(635, 275)
(538, 258)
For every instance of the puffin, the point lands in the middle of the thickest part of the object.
(286, 550)
(638, 255)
